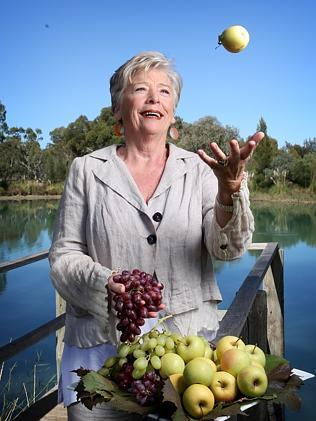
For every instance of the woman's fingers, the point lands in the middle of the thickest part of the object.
(115, 287)
(247, 150)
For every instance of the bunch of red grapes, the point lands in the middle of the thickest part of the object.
(143, 294)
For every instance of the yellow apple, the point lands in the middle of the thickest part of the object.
(178, 382)
(252, 381)
(191, 347)
(234, 39)
(198, 400)
(224, 386)
(256, 354)
(233, 360)
(228, 342)
(199, 370)
(171, 364)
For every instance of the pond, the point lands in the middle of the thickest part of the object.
(27, 298)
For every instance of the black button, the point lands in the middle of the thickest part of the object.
(223, 247)
(157, 217)
(151, 239)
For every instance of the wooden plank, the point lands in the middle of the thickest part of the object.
(13, 264)
(59, 413)
(275, 323)
(255, 328)
(9, 350)
(235, 318)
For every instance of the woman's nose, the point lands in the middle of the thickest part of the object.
(153, 97)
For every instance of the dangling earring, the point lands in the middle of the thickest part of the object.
(174, 133)
(118, 129)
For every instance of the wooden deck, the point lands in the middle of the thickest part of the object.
(59, 413)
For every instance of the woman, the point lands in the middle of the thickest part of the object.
(150, 205)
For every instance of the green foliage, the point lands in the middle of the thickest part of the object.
(270, 169)
(203, 132)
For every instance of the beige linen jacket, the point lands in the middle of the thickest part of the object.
(104, 224)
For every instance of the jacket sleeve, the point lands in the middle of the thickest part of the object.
(76, 277)
(231, 241)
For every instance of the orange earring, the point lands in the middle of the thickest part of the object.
(118, 129)
(174, 133)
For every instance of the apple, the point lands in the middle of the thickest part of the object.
(191, 347)
(252, 381)
(171, 364)
(234, 360)
(208, 353)
(198, 400)
(234, 39)
(178, 382)
(224, 386)
(256, 354)
(228, 342)
(199, 370)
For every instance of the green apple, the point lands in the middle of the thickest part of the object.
(252, 381)
(191, 347)
(198, 400)
(224, 386)
(234, 39)
(228, 342)
(170, 364)
(256, 354)
(199, 370)
(234, 360)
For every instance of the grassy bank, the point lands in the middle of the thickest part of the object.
(30, 189)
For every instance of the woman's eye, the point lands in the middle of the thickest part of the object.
(165, 91)
(139, 88)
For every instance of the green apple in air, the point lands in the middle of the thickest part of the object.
(224, 386)
(199, 370)
(234, 39)
(228, 342)
(234, 360)
(256, 354)
(171, 364)
(252, 381)
(198, 400)
(191, 347)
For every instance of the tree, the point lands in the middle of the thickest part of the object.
(206, 130)
(263, 156)
(3, 123)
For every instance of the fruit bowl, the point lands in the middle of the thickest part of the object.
(180, 377)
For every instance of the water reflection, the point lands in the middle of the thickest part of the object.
(287, 224)
(23, 225)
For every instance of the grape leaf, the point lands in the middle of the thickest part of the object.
(125, 401)
(170, 394)
(94, 381)
(274, 361)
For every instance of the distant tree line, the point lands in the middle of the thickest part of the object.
(22, 157)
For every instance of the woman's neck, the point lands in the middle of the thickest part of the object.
(142, 153)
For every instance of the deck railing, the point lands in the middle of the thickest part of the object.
(256, 314)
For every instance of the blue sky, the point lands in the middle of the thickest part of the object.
(57, 57)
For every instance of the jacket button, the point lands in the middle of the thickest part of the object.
(157, 217)
(151, 239)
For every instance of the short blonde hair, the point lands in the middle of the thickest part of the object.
(144, 61)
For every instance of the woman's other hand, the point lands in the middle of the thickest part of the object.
(229, 170)
(119, 288)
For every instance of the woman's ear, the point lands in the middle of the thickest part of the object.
(118, 115)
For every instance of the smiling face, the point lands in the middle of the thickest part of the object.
(147, 104)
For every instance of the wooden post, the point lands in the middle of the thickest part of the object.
(273, 285)
(60, 309)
